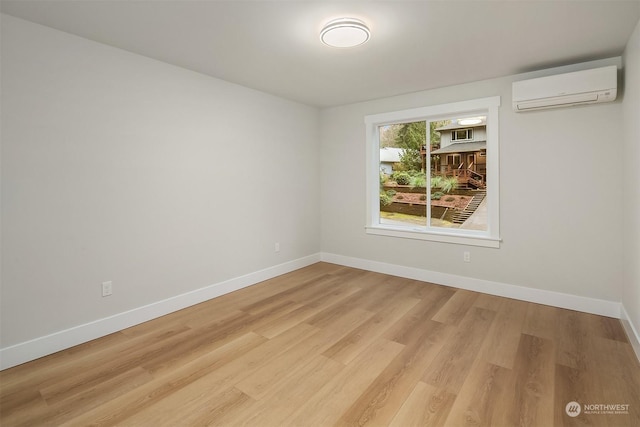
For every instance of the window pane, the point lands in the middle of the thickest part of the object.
(403, 180)
(458, 178)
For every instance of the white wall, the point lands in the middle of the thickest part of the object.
(631, 179)
(118, 167)
(561, 195)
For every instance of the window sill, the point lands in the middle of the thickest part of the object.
(417, 234)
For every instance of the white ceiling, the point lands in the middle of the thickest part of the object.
(274, 46)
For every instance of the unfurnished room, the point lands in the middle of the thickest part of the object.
(320, 213)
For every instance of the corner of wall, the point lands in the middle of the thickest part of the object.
(631, 205)
(632, 332)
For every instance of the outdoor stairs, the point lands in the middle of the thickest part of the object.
(463, 215)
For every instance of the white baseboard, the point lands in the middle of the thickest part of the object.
(540, 296)
(42, 346)
(632, 332)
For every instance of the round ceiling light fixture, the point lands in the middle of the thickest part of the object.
(345, 32)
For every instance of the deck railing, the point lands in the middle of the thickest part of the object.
(463, 175)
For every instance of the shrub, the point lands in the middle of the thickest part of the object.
(419, 180)
(398, 167)
(436, 196)
(449, 184)
(385, 200)
(436, 181)
(402, 178)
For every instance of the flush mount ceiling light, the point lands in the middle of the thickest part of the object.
(345, 32)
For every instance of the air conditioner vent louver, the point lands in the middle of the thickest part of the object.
(565, 90)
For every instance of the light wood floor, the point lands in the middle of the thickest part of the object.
(329, 345)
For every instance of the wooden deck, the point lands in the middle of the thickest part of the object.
(334, 346)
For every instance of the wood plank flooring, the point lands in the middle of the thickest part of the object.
(335, 346)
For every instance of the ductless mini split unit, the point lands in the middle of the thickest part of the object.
(565, 90)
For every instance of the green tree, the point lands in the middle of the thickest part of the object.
(411, 138)
(388, 135)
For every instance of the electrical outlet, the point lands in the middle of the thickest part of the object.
(107, 288)
(466, 256)
(277, 247)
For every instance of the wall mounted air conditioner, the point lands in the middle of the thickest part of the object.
(564, 90)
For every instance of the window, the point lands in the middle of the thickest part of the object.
(446, 185)
(453, 160)
(462, 134)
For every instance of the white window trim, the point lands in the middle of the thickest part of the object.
(490, 237)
